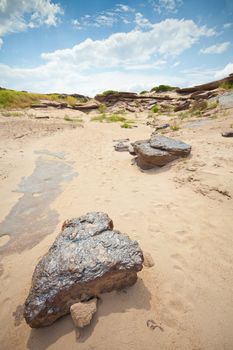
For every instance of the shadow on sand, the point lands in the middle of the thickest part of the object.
(135, 297)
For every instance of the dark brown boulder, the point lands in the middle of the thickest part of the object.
(87, 258)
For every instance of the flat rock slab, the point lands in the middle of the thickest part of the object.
(87, 258)
(172, 146)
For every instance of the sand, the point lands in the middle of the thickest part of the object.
(181, 214)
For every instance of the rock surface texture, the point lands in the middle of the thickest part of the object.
(82, 313)
(159, 150)
(87, 258)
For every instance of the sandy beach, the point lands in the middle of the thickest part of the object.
(181, 214)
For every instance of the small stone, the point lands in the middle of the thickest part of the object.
(148, 260)
(228, 133)
(82, 313)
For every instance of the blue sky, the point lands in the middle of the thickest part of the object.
(94, 45)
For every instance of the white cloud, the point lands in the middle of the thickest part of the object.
(166, 5)
(228, 69)
(141, 21)
(18, 15)
(227, 25)
(176, 64)
(122, 61)
(167, 38)
(119, 13)
(216, 49)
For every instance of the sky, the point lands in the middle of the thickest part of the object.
(88, 46)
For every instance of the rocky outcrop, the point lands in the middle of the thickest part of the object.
(87, 258)
(182, 106)
(207, 87)
(82, 313)
(158, 151)
(86, 107)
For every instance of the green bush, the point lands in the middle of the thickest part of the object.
(163, 88)
(102, 108)
(226, 85)
(155, 109)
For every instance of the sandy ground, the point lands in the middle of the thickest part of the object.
(181, 214)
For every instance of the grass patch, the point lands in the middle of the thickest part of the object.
(109, 92)
(183, 115)
(213, 104)
(128, 124)
(76, 119)
(102, 108)
(21, 99)
(12, 114)
(163, 88)
(226, 85)
(155, 109)
(174, 126)
(71, 100)
(113, 118)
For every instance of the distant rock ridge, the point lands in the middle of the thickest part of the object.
(208, 86)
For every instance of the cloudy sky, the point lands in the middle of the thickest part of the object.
(94, 45)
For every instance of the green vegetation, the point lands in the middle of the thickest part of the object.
(199, 105)
(163, 88)
(184, 115)
(71, 100)
(75, 119)
(128, 124)
(109, 92)
(21, 99)
(155, 109)
(113, 118)
(213, 104)
(143, 92)
(102, 108)
(226, 85)
(12, 114)
(174, 126)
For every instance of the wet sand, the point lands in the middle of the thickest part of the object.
(181, 214)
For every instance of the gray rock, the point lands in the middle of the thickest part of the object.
(148, 157)
(121, 147)
(87, 258)
(172, 146)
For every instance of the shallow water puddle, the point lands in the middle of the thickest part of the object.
(31, 219)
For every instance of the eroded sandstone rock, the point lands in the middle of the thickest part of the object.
(82, 313)
(87, 258)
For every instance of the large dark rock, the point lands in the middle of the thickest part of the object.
(159, 150)
(87, 258)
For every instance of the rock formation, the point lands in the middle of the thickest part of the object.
(159, 150)
(87, 258)
(208, 86)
